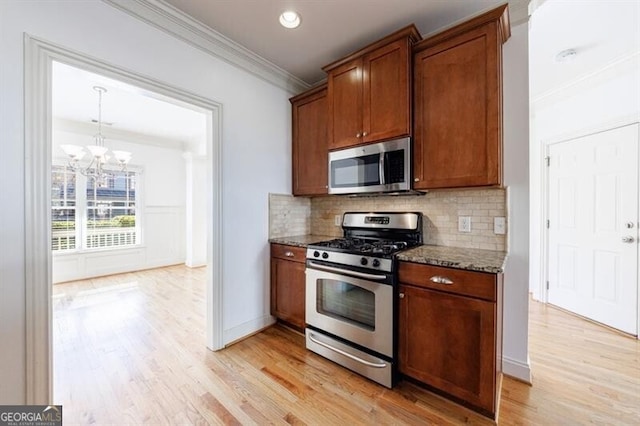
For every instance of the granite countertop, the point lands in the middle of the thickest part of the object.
(456, 257)
(301, 240)
(452, 257)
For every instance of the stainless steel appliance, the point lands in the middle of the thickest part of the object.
(378, 167)
(350, 292)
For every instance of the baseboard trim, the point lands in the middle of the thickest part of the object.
(516, 369)
(247, 329)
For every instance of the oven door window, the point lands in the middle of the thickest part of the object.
(356, 172)
(346, 302)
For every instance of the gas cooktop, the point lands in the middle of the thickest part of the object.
(365, 246)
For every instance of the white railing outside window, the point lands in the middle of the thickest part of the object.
(86, 216)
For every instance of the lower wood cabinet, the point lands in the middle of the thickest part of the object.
(450, 332)
(287, 284)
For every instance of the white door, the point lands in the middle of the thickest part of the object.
(593, 227)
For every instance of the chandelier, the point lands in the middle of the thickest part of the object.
(99, 153)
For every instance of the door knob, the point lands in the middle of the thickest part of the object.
(628, 239)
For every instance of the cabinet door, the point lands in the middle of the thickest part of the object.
(345, 105)
(458, 117)
(310, 149)
(387, 93)
(287, 291)
(449, 342)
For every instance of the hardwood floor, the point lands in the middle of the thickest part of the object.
(130, 349)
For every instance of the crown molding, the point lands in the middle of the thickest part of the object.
(520, 11)
(172, 21)
(627, 63)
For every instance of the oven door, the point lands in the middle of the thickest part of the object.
(356, 309)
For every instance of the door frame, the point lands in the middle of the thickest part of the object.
(544, 237)
(39, 55)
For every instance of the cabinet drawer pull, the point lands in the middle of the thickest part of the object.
(440, 280)
(358, 135)
(289, 254)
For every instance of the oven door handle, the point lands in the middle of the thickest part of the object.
(347, 272)
(347, 354)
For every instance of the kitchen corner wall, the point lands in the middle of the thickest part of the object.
(440, 209)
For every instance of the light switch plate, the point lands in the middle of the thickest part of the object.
(499, 225)
(464, 223)
(337, 220)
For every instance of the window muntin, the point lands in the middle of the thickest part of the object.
(63, 209)
(111, 211)
(89, 216)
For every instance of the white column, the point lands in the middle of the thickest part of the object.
(196, 210)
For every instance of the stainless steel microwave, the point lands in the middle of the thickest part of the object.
(378, 167)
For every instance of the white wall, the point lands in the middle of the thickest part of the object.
(196, 211)
(515, 356)
(607, 97)
(256, 154)
(162, 212)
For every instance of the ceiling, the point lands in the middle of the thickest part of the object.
(330, 29)
(601, 33)
(125, 107)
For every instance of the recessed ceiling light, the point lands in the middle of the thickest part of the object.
(290, 19)
(567, 55)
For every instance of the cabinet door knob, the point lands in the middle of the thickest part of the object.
(364, 133)
(289, 254)
(416, 180)
(401, 295)
(628, 239)
(358, 135)
(440, 280)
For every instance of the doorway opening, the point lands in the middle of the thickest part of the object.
(40, 58)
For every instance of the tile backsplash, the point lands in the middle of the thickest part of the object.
(440, 209)
(289, 215)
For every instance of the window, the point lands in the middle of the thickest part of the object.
(87, 216)
(111, 211)
(63, 208)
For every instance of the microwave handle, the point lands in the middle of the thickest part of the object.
(381, 165)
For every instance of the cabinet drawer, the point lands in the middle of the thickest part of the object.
(295, 254)
(468, 283)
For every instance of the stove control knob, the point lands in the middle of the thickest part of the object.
(376, 262)
(316, 253)
(325, 255)
(364, 261)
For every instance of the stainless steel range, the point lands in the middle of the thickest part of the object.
(350, 292)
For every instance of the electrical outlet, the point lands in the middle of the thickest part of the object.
(464, 223)
(337, 220)
(499, 225)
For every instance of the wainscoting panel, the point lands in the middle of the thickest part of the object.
(163, 244)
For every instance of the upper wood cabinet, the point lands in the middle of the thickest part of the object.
(309, 149)
(369, 92)
(458, 104)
